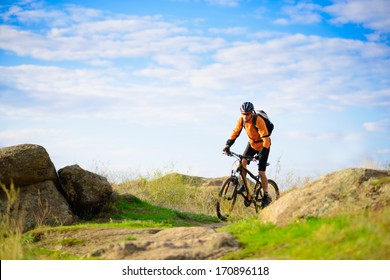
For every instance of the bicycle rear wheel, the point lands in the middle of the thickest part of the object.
(227, 198)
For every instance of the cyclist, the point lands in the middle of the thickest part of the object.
(259, 145)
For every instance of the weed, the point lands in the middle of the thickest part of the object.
(130, 238)
(11, 226)
(380, 181)
(70, 241)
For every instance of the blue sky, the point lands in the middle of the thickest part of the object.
(126, 87)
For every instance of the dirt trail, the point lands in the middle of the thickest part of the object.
(124, 243)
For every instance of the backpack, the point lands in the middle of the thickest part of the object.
(264, 116)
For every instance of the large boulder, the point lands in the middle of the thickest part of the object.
(38, 201)
(25, 164)
(86, 192)
(346, 191)
(38, 204)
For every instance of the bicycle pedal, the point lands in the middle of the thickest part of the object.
(247, 203)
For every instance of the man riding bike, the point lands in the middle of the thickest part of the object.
(259, 145)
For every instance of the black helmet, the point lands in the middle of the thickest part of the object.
(247, 107)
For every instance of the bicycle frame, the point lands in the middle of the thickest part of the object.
(231, 187)
(240, 169)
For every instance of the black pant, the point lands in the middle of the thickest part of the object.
(250, 152)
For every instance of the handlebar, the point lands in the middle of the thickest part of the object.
(240, 157)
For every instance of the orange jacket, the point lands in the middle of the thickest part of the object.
(258, 138)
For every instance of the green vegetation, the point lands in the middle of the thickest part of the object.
(34, 253)
(174, 191)
(382, 180)
(123, 211)
(70, 241)
(165, 201)
(10, 227)
(364, 236)
(130, 210)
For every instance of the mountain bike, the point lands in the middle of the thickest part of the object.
(228, 195)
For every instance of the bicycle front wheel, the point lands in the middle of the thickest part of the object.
(273, 191)
(227, 198)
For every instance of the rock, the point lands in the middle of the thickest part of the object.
(38, 204)
(85, 191)
(33, 174)
(181, 243)
(347, 191)
(25, 164)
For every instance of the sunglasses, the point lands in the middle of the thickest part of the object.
(246, 114)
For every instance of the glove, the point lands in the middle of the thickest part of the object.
(229, 143)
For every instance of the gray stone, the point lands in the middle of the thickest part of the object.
(85, 191)
(37, 205)
(25, 164)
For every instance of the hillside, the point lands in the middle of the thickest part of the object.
(134, 228)
(342, 192)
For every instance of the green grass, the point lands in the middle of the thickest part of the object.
(364, 236)
(33, 253)
(174, 200)
(122, 211)
(175, 191)
(382, 180)
(130, 210)
(70, 241)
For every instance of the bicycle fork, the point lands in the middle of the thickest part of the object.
(249, 197)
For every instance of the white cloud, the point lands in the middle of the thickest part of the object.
(382, 125)
(281, 21)
(229, 31)
(303, 13)
(224, 3)
(134, 37)
(109, 94)
(31, 135)
(383, 152)
(265, 34)
(56, 83)
(323, 136)
(221, 3)
(298, 71)
(372, 14)
(35, 12)
(303, 70)
(100, 63)
(160, 73)
(369, 98)
(121, 83)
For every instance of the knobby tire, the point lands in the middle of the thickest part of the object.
(227, 198)
(273, 191)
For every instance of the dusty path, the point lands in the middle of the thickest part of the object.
(82, 241)
(123, 243)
